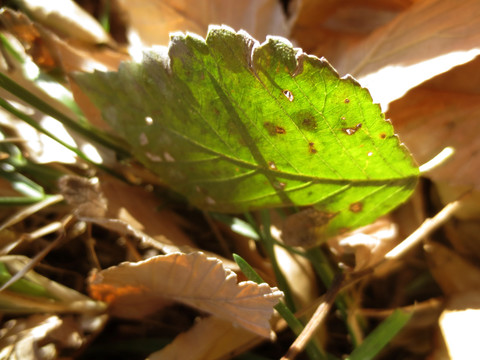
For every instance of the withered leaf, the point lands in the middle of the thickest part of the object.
(135, 290)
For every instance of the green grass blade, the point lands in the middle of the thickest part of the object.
(81, 127)
(23, 286)
(295, 325)
(6, 105)
(381, 336)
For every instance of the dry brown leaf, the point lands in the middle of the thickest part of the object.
(209, 338)
(130, 211)
(329, 28)
(453, 273)
(368, 244)
(107, 197)
(50, 51)
(41, 337)
(427, 39)
(150, 22)
(135, 290)
(144, 211)
(430, 120)
(460, 326)
(66, 17)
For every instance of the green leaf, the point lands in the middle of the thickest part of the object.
(236, 126)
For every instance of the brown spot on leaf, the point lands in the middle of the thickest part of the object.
(346, 101)
(279, 185)
(352, 130)
(311, 148)
(273, 129)
(305, 228)
(383, 136)
(343, 230)
(356, 207)
(272, 165)
(309, 123)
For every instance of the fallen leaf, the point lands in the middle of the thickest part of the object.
(429, 38)
(42, 337)
(135, 290)
(67, 18)
(107, 197)
(368, 244)
(460, 325)
(430, 120)
(453, 273)
(151, 22)
(208, 338)
(84, 195)
(330, 28)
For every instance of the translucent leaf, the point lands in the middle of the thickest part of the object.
(234, 126)
(139, 289)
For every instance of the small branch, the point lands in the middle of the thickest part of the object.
(340, 283)
(322, 310)
(428, 226)
(37, 258)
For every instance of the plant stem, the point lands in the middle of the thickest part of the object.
(82, 128)
(6, 105)
(268, 243)
(313, 349)
(324, 270)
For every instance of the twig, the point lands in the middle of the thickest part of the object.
(37, 258)
(26, 212)
(428, 226)
(317, 318)
(218, 235)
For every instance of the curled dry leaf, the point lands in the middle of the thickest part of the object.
(427, 39)
(368, 244)
(135, 290)
(84, 194)
(453, 273)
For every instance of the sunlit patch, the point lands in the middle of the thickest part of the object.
(407, 77)
(168, 157)
(92, 153)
